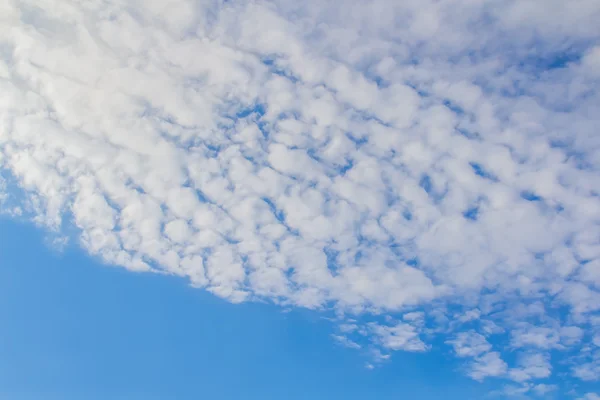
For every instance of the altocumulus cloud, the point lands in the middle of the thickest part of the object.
(422, 168)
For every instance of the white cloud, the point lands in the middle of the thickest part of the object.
(535, 336)
(531, 366)
(344, 341)
(487, 365)
(590, 396)
(543, 389)
(401, 336)
(374, 158)
(470, 344)
(484, 362)
(588, 371)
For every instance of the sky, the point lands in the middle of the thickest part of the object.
(74, 329)
(265, 199)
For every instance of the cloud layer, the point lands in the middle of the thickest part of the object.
(427, 168)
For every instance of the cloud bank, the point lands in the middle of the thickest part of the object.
(423, 168)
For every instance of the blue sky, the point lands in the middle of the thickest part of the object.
(384, 199)
(74, 329)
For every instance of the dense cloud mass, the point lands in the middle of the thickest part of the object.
(422, 168)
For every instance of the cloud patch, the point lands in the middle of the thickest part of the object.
(376, 160)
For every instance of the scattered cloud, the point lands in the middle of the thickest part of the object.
(398, 337)
(590, 396)
(487, 365)
(470, 344)
(531, 366)
(543, 389)
(588, 371)
(344, 341)
(374, 160)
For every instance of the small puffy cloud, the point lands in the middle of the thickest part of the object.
(531, 366)
(543, 389)
(484, 363)
(398, 337)
(469, 344)
(588, 371)
(470, 315)
(487, 365)
(534, 336)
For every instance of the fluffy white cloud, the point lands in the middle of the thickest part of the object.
(588, 370)
(531, 366)
(470, 344)
(375, 158)
(401, 336)
(487, 365)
